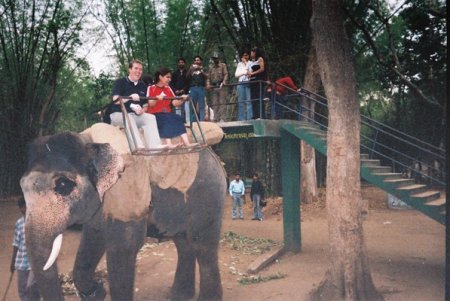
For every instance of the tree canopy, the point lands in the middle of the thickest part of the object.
(46, 85)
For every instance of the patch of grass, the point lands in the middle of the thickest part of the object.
(248, 246)
(246, 280)
(68, 287)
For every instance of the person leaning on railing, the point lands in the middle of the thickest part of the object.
(280, 98)
(135, 89)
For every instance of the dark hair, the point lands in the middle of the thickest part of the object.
(147, 79)
(197, 56)
(238, 174)
(181, 59)
(258, 52)
(21, 202)
(255, 174)
(241, 54)
(163, 71)
(130, 65)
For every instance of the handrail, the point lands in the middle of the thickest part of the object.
(399, 138)
(405, 134)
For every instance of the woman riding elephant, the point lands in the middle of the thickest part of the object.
(73, 179)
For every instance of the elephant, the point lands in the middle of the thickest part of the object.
(91, 179)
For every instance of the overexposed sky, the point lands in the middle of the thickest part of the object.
(99, 53)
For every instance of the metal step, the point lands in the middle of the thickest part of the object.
(389, 175)
(413, 189)
(379, 169)
(400, 182)
(370, 162)
(440, 203)
(365, 156)
(430, 197)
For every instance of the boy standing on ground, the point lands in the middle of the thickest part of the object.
(257, 194)
(237, 191)
(26, 283)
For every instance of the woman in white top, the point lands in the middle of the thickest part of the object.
(243, 88)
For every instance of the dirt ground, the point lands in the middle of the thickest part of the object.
(406, 254)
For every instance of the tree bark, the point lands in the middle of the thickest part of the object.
(348, 276)
(308, 175)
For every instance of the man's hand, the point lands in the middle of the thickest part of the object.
(135, 97)
(137, 109)
(117, 97)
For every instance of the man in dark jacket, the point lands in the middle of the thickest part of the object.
(179, 83)
(257, 194)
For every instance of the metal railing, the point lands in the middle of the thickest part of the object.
(406, 154)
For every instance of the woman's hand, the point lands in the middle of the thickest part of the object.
(179, 101)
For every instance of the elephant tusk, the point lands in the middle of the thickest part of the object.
(54, 253)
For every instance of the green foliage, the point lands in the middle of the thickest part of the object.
(246, 280)
(412, 42)
(82, 105)
(44, 87)
(37, 41)
(280, 28)
(155, 32)
(248, 246)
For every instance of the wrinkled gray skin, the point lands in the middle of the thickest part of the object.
(62, 186)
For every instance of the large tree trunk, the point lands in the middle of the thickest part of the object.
(348, 277)
(308, 180)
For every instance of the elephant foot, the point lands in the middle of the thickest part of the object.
(179, 295)
(210, 298)
(98, 293)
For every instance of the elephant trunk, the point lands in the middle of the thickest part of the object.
(42, 252)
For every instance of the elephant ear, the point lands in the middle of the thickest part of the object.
(104, 167)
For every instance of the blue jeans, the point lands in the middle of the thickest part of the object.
(244, 100)
(257, 213)
(279, 110)
(197, 93)
(237, 206)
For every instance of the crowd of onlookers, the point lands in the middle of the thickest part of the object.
(159, 104)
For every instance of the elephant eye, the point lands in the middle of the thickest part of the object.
(64, 186)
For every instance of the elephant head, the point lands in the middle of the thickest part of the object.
(60, 192)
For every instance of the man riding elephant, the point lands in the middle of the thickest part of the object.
(73, 179)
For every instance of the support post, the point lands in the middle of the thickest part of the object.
(290, 179)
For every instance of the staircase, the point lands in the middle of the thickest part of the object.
(421, 197)
(378, 141)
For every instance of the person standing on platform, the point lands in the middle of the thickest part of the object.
(257, 74)
(217, 78)
(197, 79)
(245, 110)
(179, 82)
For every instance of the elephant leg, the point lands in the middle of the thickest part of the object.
(92, 247)
(210, 282)
(183, 287)
(123, 241)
